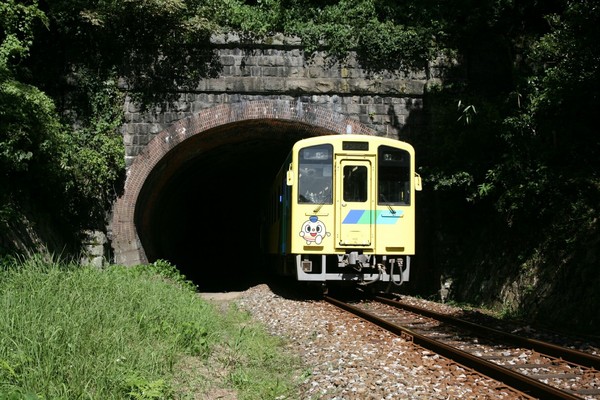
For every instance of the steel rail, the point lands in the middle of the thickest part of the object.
(518, 381)
(574, 356)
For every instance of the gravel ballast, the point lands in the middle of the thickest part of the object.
(349, 358)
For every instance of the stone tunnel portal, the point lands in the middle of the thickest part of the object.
(199, 207)
(193, 195)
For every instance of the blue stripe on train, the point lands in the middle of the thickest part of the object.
(355, 217)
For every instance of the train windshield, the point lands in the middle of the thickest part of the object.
(315, 172)
(394, 176)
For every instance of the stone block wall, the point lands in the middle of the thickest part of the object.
(278, 69)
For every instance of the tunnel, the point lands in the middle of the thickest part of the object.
(199, 207)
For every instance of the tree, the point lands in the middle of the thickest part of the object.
(156, 47)
(29, 125)
(48, 168)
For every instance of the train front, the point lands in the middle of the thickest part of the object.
(353, 209)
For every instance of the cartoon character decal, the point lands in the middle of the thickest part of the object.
(313, 231)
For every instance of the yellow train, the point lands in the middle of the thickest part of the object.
(342, 209)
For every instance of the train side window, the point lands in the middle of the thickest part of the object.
(315, 174)
(393, 176)
(355, 183)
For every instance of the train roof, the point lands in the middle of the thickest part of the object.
(333, 139)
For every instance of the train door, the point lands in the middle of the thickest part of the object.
(355, 202)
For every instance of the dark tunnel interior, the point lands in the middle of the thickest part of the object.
(200, 207)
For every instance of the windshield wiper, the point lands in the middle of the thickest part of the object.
(321, 204)
(389, 206)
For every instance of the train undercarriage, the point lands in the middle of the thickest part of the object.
(350, 269)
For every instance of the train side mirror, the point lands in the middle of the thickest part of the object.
(418, 184)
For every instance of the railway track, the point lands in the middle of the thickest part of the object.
(536, 368)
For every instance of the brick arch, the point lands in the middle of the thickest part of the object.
(127, 247)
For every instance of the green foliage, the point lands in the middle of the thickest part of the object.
(516, 182)
(257, 368)
(155, 47)
(194, 337)
(448, 181)
(339, 27)
(16, 394)
(29, 127)
(549, 139)
(565, 87)
(17, 23)
(71, 332)
(77, 325)
(140, 389)
(521, 145)
(94, 158)
(30, 138)
(73, 171)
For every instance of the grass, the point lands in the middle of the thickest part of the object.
(71, 332)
